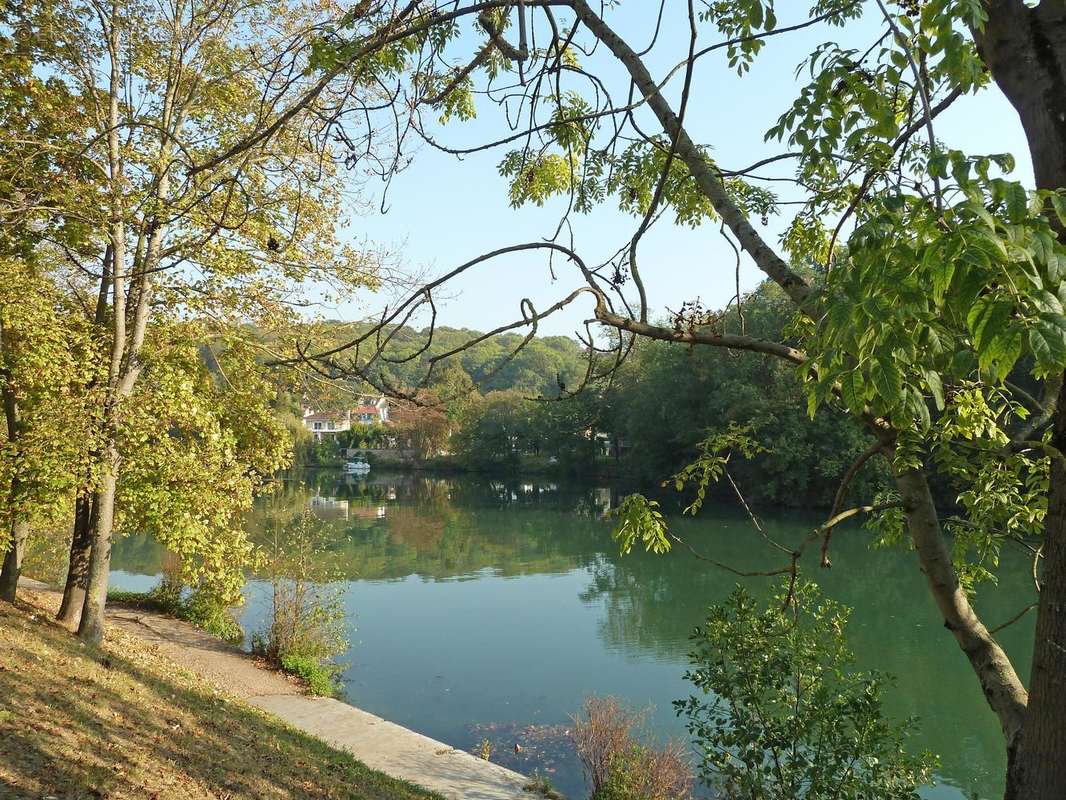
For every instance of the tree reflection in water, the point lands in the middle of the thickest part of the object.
(500, 602)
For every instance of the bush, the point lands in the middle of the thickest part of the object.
(617, 765)
(780, 716)
(201, 606)
(203, 609)
(321, 678)
(307, 627)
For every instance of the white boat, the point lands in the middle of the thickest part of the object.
(356, 468)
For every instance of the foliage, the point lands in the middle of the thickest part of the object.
(363, 435)
(799, 461)
(199, 608)
(308, 627)
(497, 428)
(148, 235)
(639, 519)
(930, 297)
(46, 360)
(714, 453)
(780, 714)
(198, 448)
(999, 493)
(426, 430)
(618, 766)
(541, 785)
(321, 679)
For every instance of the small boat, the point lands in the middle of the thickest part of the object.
(356, 468)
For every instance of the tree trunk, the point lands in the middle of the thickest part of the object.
(9, 575)
(1037, 763)
(19, 526)
(1025, 48)
(78, 565)
(91, 627)
(1001, 685)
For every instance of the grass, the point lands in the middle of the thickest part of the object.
(320, 678)
(542, 785)
(123, 722)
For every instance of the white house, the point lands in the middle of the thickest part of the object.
(322, 423)
(370, 411)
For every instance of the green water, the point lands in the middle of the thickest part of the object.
(490, 609)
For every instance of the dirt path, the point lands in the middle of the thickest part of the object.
(222, 665)
(379, 744)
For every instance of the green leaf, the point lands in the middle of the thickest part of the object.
(852, 391)
(943, 269)
(1058, 202)
(1017, 202)
(887, 381)
(986, 320)
(1047, 342)
(1002, 353)
(936, 388)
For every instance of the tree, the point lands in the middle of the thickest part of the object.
(803, 458)
(780, 713)
(936, 276)
(42, 346)
(40, 340)
(497, 429)
(424, 429)
(208, 202)
(198, 447)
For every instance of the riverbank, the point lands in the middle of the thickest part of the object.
(448, 466)
(165, 710)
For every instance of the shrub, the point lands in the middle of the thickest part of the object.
(617, 765)
(307, 627)
(321, 678)
(781, 716)
(200, 606)
(205, 610)
(540, 784)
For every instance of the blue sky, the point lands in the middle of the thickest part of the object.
(443, 211)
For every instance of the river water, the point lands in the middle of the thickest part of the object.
(489, 609)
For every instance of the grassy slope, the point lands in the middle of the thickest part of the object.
(125, 722)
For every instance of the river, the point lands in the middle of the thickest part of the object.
(489, 609)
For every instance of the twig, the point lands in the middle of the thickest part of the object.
(1014, 619)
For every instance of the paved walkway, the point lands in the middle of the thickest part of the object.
(396, 750)
(381, 745)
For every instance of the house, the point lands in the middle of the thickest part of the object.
(372, 411)
(369, 411)
(322, 423)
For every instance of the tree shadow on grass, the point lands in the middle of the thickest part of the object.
(81, 722)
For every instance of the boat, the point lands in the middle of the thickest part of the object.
(356, 468)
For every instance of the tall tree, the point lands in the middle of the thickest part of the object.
(42, 344)
(936, 276)
(1024, 46)
(186, 221)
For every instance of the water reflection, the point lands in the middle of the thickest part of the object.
(498, 605)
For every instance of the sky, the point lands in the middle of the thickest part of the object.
(442, 211)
